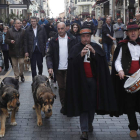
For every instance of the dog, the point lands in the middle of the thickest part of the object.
(43, 97)
(27, 63)
(9, 101)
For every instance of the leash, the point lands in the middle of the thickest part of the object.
(49, 78)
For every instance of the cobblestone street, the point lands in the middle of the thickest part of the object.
(59, 127)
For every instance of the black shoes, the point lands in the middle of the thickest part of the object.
(90, 127)
(62, 110)
(22, 78)
(84, 136)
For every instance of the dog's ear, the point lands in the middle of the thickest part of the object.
(40, 96)
(4, 95)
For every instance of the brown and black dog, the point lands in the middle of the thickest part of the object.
(43, 97)
(27, 63)
(9, 101)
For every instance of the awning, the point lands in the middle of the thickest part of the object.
(94, 5)
(101, 1)
(3, 6)
(18, 6)
(85, 13)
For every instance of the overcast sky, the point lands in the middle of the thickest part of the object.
(57, 7)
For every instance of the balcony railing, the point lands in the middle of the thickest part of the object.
(84, 2)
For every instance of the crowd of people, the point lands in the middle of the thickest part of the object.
(79, 65)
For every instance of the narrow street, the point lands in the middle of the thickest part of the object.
(59, 127)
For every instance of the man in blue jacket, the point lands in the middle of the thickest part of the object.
(95, 22)
(43, 21)
(77, 21)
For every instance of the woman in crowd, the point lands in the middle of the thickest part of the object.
(75, 29)
(5, 49)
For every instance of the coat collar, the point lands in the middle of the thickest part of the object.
(70, 37)
(38, 27)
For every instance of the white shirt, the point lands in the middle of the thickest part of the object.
(63, 52)
(135, 54)
(35, 32)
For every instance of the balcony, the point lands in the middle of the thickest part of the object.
(84, 2)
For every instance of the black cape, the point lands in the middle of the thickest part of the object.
(120, 93)
(77, 98)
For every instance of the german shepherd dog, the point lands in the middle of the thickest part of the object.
(9, 101)
(43, 97)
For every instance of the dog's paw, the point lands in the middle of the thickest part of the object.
(13, 123)
(39, 123)
(2, 134)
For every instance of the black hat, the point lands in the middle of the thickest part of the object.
(132, 26)
(85, 30)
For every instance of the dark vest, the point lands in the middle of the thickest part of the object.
(36, 42)
(126, 59)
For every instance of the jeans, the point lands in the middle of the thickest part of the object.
(7, 58)
(88, 117)
(107, 49)
(100, 32)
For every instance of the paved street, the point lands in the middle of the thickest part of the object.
(59, 127)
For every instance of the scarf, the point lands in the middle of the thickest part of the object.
(126, 40)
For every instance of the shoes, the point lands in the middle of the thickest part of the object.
(62, 110)
(84, 136)
(22, 78)
(133, 134)
(55, 85)
(90, 127)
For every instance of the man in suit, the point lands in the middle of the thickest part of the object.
(35, 44)
(107, 38)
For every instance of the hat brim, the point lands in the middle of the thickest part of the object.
(85, 33)
(131, 29)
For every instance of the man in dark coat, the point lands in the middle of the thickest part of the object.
(107, 38)
(35, 44)
(77, 21)
(49, 28)
(15, 40)
(89, 87)
(89, 23)
(57, 58)
(126, 62)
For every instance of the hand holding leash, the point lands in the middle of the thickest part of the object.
(50, 71)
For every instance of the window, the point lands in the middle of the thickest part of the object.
(75, 1)
(83, 0)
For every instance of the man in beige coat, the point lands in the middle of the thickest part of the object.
(100, 23)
